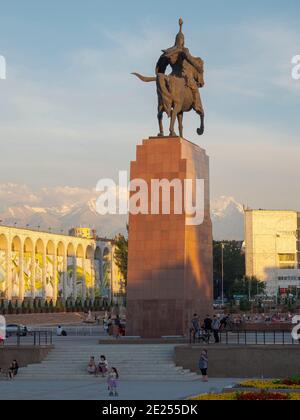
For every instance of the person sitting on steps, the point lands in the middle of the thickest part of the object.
(92, 368)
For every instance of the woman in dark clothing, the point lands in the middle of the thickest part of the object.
(203, 365)
(13, 369)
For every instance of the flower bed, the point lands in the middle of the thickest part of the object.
(248, 396)
(262, 396)
(289, 383)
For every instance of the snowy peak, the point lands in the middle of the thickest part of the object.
(66, 207)
(224, 206)
(228, 219)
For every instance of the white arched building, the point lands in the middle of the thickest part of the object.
(35, 264)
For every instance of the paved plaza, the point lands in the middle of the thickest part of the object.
(95, 389)
(146, 372)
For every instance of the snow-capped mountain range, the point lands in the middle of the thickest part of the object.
(61, 208)
(227, 218)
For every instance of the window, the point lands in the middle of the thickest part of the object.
(289, 278)
(287, 261)
(287, 257)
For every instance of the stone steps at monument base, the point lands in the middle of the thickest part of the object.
(121, 365)
(116, 349)
(143, 362)
(164, 375)
(117, 357)
(121, 371)
(150, 374)
(112, 362)
(141, 378)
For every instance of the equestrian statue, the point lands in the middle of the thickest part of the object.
(178, 92)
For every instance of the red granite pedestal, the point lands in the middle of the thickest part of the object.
(170, 271)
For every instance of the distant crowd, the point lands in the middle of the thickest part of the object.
(202, 329)
(262, 318)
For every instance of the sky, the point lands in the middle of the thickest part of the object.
(71, 113)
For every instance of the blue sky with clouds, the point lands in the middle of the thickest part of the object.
(70, 112)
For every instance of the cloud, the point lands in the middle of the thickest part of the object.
(85, 122)
(256, 165)
(259, 60)
(15, 194)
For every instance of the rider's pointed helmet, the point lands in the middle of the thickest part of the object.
(179, 42)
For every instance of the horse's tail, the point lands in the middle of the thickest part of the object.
(144, 78)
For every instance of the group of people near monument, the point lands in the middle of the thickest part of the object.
(113, 325)
(102, 368)
(210, 325)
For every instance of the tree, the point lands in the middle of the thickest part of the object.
(234, 265)
(247, 286)
(121, 255)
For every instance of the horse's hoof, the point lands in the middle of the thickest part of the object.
(160, 135)
(200, 131)
(173, 134)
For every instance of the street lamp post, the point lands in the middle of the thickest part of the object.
(222, 269)
(249, 289)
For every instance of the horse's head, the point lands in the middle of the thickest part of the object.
(199, 73)
(195, 71)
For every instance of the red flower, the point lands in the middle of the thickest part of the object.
(290, 382)
(262, 396)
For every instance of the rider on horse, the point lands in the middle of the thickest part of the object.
(178, 92)
(184, 66)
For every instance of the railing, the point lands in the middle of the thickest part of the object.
(245, 338)
(84, 331)
(34, 338)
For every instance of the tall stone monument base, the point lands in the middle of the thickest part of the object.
(170, 273)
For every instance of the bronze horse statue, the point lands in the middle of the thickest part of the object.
(179, 91)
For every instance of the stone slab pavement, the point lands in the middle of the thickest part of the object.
(92, 389)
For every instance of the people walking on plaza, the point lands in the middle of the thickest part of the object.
(208, 324)
(203, 365)
(223, 322)
(106, 323)
(112, 382)
(92, 368)
(110, 324)
(103, 366)
(216, 329)
(13, 369)
(116, 327)
(195, 326)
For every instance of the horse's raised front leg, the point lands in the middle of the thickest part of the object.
(200, 130)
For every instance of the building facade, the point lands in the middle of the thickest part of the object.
(272, 249)
(49, 266)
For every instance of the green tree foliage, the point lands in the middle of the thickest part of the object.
(121, 255)
(234, 266)
(247, 286)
